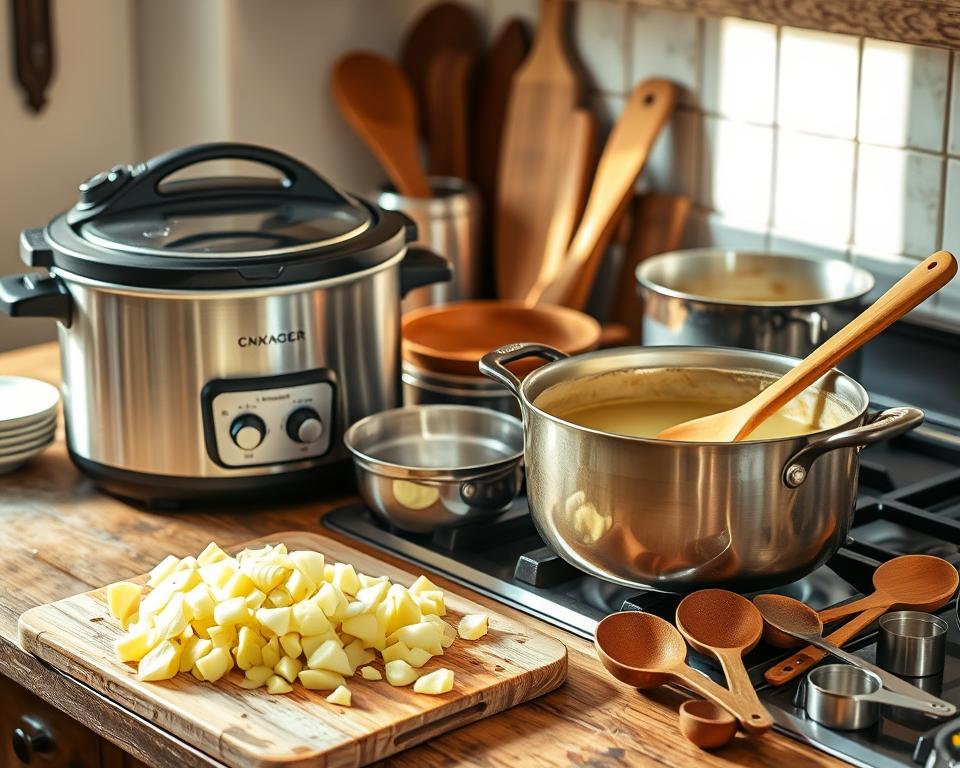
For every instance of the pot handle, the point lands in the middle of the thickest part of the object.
(886, 424)
(36, 295)
(493, 365)
(420, 267)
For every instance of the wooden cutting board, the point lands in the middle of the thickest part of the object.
(510, 665)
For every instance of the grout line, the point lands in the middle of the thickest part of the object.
(851, 233)
(775, 143)
(948, 109)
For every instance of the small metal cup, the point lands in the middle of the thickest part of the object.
(911, 643)
(838, 696)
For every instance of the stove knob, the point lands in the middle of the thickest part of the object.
(247, 431)
(304, 425)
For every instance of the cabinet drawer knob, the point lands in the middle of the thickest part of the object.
(30, 739)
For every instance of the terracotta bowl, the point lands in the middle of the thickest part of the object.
(452, 338)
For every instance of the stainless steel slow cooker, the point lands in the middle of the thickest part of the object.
(681, 516)
(218, 335)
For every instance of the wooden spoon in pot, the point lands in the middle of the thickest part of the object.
(375, 97)
(920, 283)
(725, 625)
(643, 650)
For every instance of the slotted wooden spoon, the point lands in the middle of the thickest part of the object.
(375, 98)
(920, 283)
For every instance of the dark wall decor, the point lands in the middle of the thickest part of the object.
(33, 49)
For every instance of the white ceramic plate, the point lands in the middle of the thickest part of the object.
(16, 460)
(41, 425)
(26, 441)
(23, 401)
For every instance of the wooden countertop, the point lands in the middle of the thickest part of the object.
(60, 536)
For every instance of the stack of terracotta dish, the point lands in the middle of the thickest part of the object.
(442, 347)
(28, 420)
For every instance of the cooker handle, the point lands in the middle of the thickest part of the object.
(886, 424)
(494, 364)
(36, 295)
(421, 267)
(125, 187)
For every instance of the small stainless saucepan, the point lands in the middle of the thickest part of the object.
(437, 465)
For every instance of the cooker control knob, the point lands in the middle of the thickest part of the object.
(304, 425)
(247, 431)
(99, 187)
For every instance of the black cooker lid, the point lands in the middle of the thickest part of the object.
(134, 226)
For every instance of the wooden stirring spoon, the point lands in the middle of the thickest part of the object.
(645, 651)
(920, 283)
(909, 582)
(375, 98)
(725, 625)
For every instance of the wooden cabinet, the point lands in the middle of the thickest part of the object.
(36, 734)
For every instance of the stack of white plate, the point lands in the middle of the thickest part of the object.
(28, 419)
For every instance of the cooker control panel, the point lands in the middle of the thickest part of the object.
(253, 422)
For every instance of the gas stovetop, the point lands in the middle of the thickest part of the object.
(909, 503)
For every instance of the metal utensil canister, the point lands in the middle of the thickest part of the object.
(912, 643)
(449, 222)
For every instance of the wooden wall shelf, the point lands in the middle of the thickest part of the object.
(924, 22)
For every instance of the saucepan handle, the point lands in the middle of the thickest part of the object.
(886, 424)
(494, 364)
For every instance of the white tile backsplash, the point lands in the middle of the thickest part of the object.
(724, 232)
(675, 159)
(903, 95)
(953, 134)
(897, 201)
(951, 209)
(600, 39)
(667, 44)
(814, 184)
(739, 69)
(736, 164)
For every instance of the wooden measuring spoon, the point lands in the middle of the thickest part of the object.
(800, 620)
(647, 110)
(375, 98)
(920, 283)
(705, 724)
(643, 650)
(909, 582)
(725, 625)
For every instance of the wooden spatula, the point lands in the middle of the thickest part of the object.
(449, 83)
(929, 276)
(648, 109)
(539, 140)
(376, 100)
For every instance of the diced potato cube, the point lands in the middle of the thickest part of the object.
(299, 586)
(277, 620)
(370, 673)
(426, 635)
(415, 657)
(310, 564)
(365, 626)
(473, 626)
(431, 602)
(248, 649)
(255, 599)
(288, 668)
(162, 663)
(196, 649)
(217, 574)
(436, 682)
(202, 628)
(328, 572)
(374, 594)
(423, 584)
(270, 653)
(133, 646)
(290, 643)
(188, 563)
(312, 642)
(259, 674)
(211, 554)
(251, 684)
(330, 656)
(265, 576)
(399, 673)
(357, 654)
(172, 620)
(276, 684)
(403, 611)
(215, 664)
(123, 599)
(330, 599)
(238, 585)
(308, 618)
(223, 637)
(369, 581)
(232, 611)
(449, 633)
(345, 578)
(320, 679)
(200, 602)
(279, 597)
(340, 696)
(162, 569)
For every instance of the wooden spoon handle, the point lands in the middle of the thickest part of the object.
(801, 661)
(866, 603)
(750, 718)
(738, 681)
(920, 283)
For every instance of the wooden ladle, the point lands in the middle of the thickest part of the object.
(909, 582)
(643, 650)
(920, 283)
(376, 99)
(725, 625)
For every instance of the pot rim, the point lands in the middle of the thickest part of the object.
(543, 371)
(648, 284)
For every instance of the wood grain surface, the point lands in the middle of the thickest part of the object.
(60, 536)
(254, 728)
(927, 22)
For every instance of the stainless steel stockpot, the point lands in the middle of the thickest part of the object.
(679, 516)
(764, 301)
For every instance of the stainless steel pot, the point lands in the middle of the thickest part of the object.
(422, 387)
(764, 301)
(218, 334)
(678, 516)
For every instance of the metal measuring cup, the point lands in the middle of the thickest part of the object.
(912, 643)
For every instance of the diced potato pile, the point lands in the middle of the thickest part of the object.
(281, 617)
